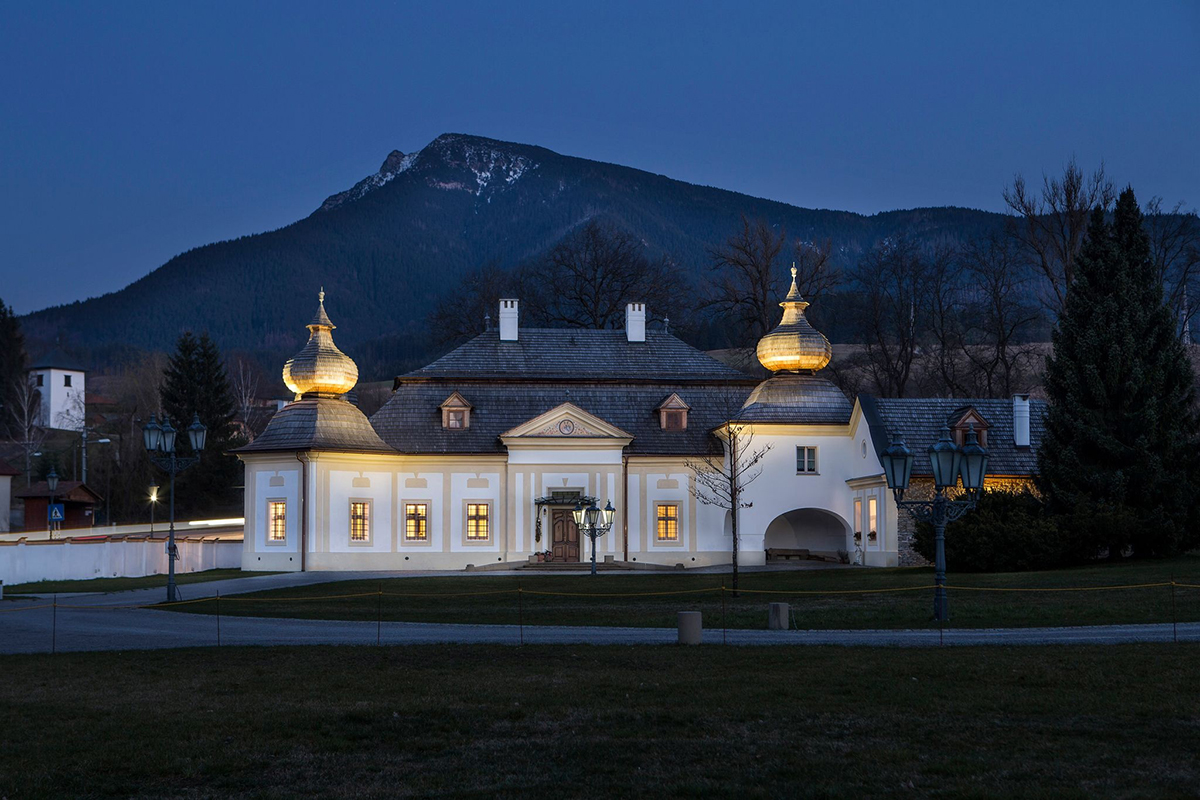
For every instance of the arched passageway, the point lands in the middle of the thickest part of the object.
(819, 531)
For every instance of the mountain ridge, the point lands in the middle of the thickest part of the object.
(390, 246)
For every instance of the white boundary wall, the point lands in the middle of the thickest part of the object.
(65, 560)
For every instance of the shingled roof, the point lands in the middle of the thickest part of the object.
(569, 353)
(797, 398)
(921, 421)
(318, 423)
(411, 421)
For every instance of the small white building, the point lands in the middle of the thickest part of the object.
(61, 384)
(481, 456)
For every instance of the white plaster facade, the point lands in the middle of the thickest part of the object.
(539, 462)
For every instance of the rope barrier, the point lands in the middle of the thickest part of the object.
(1063, 588)
(674, 593)
(24, 608)
(707, 590)
(834, 591)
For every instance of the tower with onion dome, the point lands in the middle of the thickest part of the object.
(794, 351)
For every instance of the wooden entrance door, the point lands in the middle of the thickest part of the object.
(564, 535)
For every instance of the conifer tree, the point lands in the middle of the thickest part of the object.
(1118, 457)
(195, 382)
(12, 366)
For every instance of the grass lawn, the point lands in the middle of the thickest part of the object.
(902, 609)
(122, 584)
(582, 721)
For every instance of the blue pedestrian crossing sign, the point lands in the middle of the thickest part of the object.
(56, 512)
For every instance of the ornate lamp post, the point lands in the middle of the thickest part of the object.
(52, 483)
(949, 461)
(589, 523)
(160, 440)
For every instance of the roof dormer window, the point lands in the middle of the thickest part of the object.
(673, 413)
(456, 412)
(961, 420)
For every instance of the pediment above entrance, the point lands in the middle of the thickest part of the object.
(565, 423)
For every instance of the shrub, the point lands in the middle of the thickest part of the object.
(1007, 532)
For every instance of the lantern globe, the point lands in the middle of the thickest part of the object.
(197, 433)
(152, 434)
(592, 514)
(52, 480)
(897, 461)
(609, 512)
(974, 462)
(578, 515)
(945, 457)
(168, 436)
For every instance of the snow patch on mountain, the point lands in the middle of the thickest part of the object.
(448, 163)
(395, 164)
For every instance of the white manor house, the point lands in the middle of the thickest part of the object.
(480, 457)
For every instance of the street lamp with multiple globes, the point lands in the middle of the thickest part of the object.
(160, 443)
(949, 462)
(52, 484)
(587, 520)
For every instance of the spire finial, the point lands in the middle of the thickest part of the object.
(794, 272)
(321, 294)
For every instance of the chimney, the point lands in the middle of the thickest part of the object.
(635, 322)
(508, 320)
(1021, 421)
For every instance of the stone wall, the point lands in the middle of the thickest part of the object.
(922, 489)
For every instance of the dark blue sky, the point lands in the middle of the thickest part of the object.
(133, 132)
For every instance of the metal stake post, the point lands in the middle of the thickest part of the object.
(1174, 618)
(172, 594)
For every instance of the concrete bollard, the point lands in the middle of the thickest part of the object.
(777, 617)
(691, 628)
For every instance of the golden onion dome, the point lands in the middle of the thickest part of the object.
(320, 368)
(795, 345)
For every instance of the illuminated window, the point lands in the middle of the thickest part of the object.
(277, 526)
(477, 521)
(360, 521)
(857, 519)
(456, 419)
(806, 460)
(668, 522)
(415, 516)
(872, 517)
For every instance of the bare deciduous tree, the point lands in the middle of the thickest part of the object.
(749, 282)
(816, 273)
(460, 315)
(1051, 225)
(720, 481)
(894, 282)
(980, 321)
(27, 423)
(586, 279)
(999, 321)
(243, 379)
(1175, 247)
